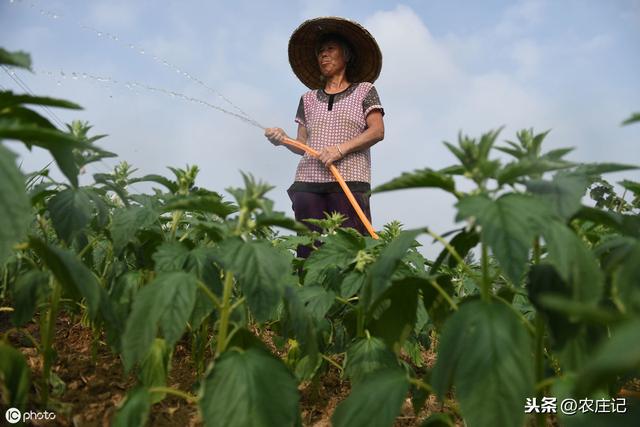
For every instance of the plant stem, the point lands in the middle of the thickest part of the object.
(524, 320)
(539, 343)
(174, 224)
(186, 396)
(344, 301)
(485, 289)
(26, 333)
(421, 384)
(444, 294)
(48, 336)
(333, 362)
(454, 253)
(539, 364)
(213, 297)
(225, 312)
(360, 319)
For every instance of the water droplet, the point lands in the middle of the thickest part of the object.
(131, 46)
(141, 51)
(84, 75)
(99, 33)
(74, 76)
(54, 16)
(58, 83)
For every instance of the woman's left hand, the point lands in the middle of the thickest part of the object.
(330, 154)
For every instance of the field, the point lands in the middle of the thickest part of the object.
(180, 307)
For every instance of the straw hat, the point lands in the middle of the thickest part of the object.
(367, 58)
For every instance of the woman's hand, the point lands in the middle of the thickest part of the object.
(275, 135)
(330, 154)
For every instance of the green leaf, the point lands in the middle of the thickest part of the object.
(299, 322)
(617, 356)
(435, 303)
(70, 211)
(125, 223)
(154, 368)
(339, 250)
(15, 376)
(261, 270)
(628, 225)
(170, 185)
(423, 178)
(513, 172)
(124, 290)
(462, 242)
(176, 314)
(627, 279)
(352, 283)
(367, 355)
(544, 280)
(317, 300)
(29, 290)
(15, 210)
(380, 272)
(393, 315)
(278, 219)
(249, 389)
(635, 117)
(597, 169)
(76, 277)
(485, 350)
(211, 203)
(509, 225)
(563, 194)
(135, 410)
(9, 99)
(170, 256)
(375, 401)
(632, 186)
(166, 302)
(60, 144)
(17, 59)
(575, 263)
(201, 263)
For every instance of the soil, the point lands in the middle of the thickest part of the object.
(93, 383)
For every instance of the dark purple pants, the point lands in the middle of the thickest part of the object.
(314, 205)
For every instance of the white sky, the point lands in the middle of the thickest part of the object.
(449, 66)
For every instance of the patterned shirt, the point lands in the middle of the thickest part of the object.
(332, 119)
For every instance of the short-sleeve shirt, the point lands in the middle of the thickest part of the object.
(332, 119)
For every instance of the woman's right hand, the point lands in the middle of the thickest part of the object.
(275, 135)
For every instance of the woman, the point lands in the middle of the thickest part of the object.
(341, 117)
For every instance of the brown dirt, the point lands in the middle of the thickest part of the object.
(94, 386)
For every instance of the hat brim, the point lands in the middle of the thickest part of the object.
(367, 61)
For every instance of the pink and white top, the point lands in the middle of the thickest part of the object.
(332, 119)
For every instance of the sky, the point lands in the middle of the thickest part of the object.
(571, 66)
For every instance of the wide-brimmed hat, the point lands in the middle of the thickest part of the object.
(365, 65)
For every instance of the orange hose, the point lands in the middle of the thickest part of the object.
(343, 184)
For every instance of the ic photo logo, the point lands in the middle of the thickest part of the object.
(13, 415)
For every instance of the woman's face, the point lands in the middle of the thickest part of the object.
(331, 59)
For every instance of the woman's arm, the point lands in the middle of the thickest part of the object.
(373, 134)
(276, 135)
